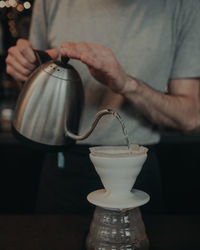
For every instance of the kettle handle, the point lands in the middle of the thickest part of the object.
(41, 56)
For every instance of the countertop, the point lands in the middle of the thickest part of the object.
(62, 232)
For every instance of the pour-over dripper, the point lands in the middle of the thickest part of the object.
(118, 168)
(117, 222)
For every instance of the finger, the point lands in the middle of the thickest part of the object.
(70, 53)
(16, 75)
(26, 50)
(87, 52)
(53, 53)
(92, 60)
(71, 50)
(20, 59)
(89, 48)
(11, 61)
(80, 51)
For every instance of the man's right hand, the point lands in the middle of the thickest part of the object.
(21, 60)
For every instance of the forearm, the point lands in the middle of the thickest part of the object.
(175, 111)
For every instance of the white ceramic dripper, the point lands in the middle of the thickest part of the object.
(117, 222)
(118, 168)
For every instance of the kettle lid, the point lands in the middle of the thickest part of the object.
(61, 69)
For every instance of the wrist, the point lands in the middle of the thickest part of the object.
(130, 86)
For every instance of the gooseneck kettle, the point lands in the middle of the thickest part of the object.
(49, 107)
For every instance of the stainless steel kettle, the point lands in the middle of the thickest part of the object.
(49, 106)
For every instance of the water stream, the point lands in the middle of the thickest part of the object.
(124, 130)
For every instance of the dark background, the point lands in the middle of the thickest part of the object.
(20, 165)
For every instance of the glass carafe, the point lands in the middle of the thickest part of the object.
(117, 230)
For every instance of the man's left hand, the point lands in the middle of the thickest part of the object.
(101, 63)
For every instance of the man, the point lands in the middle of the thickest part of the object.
(133, 51)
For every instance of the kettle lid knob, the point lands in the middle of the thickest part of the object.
(64, 60)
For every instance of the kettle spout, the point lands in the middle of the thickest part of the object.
(92, 126)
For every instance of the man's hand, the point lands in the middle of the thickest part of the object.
(178, 109)
(21, 60)
(101, 63)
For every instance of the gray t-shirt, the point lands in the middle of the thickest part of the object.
(154, 41)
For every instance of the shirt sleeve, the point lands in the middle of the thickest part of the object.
(186, 62)
(38, 28)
